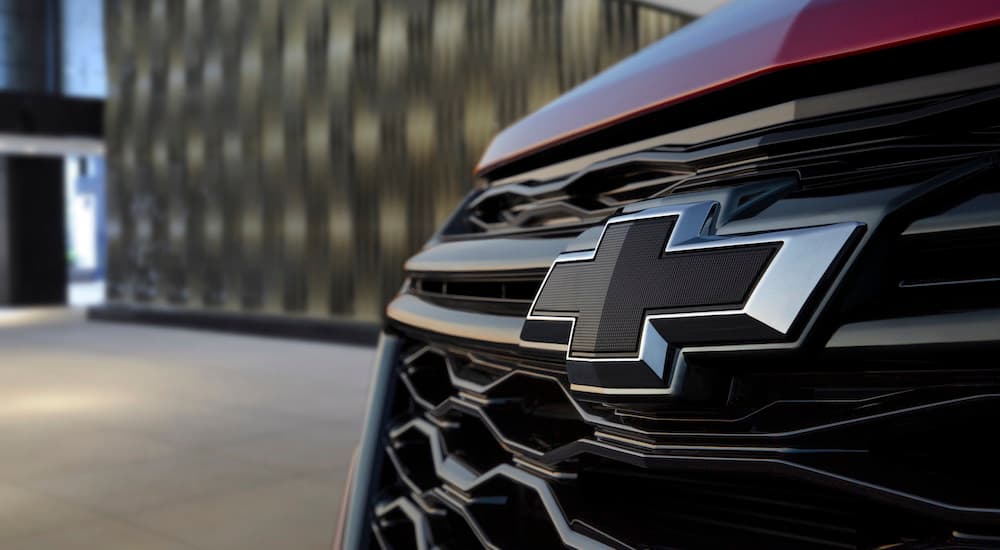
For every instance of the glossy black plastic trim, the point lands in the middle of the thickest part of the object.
(363, 484)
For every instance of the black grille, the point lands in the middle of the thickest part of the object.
(874, 431)
(509, 294)
(480, 443)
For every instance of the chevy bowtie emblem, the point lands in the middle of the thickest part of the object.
(660, 279)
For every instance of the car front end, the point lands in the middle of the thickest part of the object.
(741, 290)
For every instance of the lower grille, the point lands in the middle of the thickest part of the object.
(488, 450)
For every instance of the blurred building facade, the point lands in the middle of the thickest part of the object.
(52, 83)
(275, 156)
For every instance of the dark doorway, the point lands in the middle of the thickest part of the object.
(33, 263)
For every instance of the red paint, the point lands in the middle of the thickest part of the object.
(744, 39)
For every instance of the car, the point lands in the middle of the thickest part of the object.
(741, 290)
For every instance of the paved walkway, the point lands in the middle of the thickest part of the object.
(121, 436)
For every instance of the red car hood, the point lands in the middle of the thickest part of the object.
(739, 41)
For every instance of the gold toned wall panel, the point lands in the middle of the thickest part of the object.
(287, 156)
(117, 44)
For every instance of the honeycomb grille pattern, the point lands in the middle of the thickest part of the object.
(480, 441)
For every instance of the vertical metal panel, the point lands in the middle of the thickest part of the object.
(173, 277)
(365, 159)
(287, 156)
(195, 175)
(232, 19)
(159, 156)
(341, 48)
(581, 48)
(121, 175)
(293, 183)
(249, 100)
(317, 151)
(272, 154)
(142, 204)
(449, 26)
(212, 190)
(112, 119)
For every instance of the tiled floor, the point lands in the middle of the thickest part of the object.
(117, 436)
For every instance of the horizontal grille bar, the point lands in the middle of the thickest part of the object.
(422, 315)
(492, 255)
